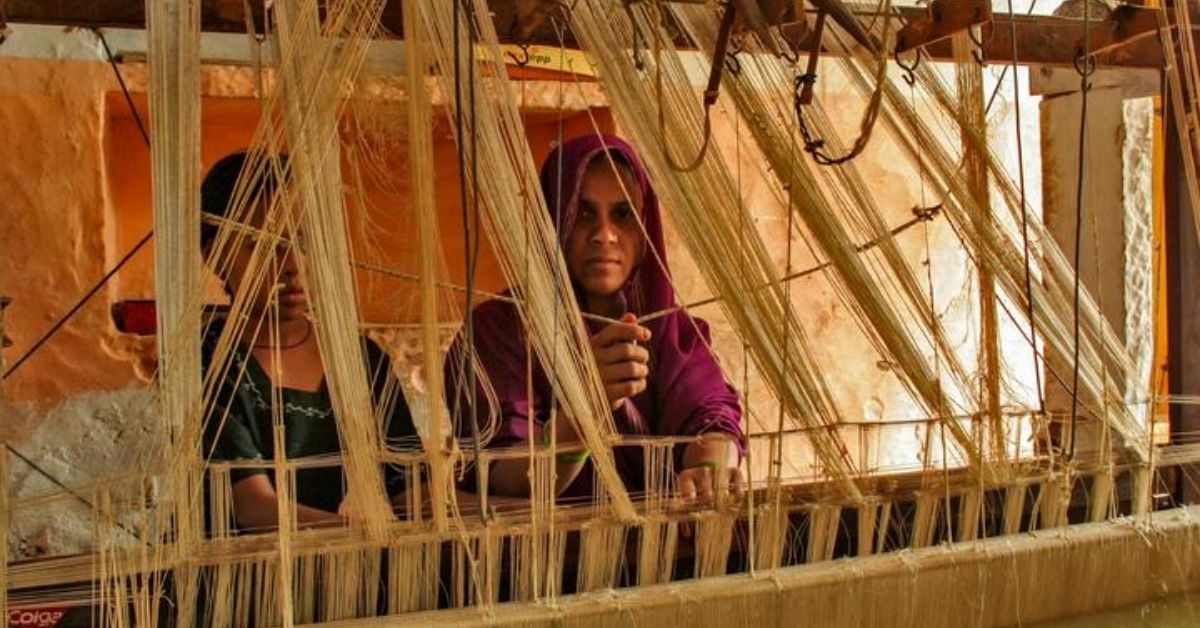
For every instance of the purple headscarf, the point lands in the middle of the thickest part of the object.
(686, 393)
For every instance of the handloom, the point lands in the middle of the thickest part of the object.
(1005, 518)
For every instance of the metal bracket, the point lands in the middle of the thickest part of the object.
(943, 19)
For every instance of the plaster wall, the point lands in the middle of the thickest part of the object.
(1117, 235)
(55, 226)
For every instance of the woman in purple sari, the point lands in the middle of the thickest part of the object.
(660, 378)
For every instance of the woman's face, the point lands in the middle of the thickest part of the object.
(279, 281)
(606, 241)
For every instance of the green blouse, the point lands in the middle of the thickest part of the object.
(244, 402)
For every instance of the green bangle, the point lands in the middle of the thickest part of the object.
(704, 464)
(575, 457)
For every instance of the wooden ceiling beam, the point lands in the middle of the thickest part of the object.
(1041, 40)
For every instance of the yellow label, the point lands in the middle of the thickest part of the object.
(549, 58)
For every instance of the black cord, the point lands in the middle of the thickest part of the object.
(112, 62)
(814, 145)
(1029, 305)
(1084, 75)
(466, 359)
(45, 337)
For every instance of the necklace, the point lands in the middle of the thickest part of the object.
(307, 333)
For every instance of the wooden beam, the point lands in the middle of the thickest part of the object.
(1054, 41)
(217, 16)
(944, 19)
(1041, 40)
(1022, 579)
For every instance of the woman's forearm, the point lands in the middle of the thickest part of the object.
(308, 516)
(510, 477)
(264, 516)
(256, 507)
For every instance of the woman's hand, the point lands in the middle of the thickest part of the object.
(345, 508)
(710, 469)
(622, 362)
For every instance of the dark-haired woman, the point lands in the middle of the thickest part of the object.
(660, 378)
(277, 360)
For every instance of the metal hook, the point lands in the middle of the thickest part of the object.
(987, 27)
(736, 44)
(981, 41)
(523, 60)
(1085, 66)
(732, 64)
(909, 70)
(789, 55)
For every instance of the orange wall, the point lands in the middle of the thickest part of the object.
(54, 228)
(382, 228)
(75, 197)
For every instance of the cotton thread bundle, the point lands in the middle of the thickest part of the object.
(315, 163)
(779, 143)
(969, 77)
(770, 529)
(703, 203)
(421, 178)
(516, 219)
(1102, 355)
(173, 35)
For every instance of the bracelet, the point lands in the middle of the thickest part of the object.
(704, 464)
(574, 457)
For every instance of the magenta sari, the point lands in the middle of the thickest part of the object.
(686, 393)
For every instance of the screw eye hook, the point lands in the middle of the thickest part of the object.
(986, 32)
(522, 60)
(909, 69)
(1084, 65)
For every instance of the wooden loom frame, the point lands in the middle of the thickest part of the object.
(752, 591)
